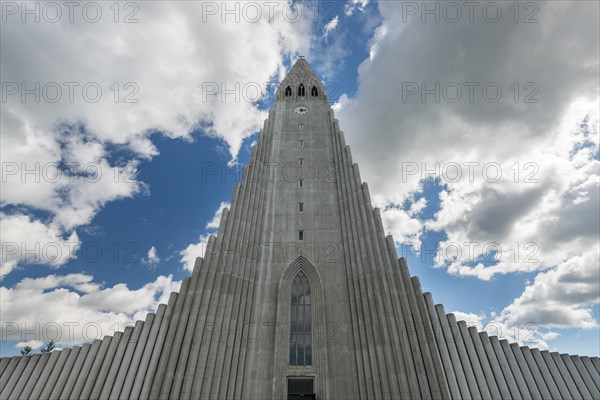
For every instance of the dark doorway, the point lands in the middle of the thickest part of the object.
(301, 389)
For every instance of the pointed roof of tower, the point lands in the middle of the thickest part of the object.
(301, 70)
(302, 73)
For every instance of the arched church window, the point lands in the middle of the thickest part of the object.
(314, 92)
(300, 323)
(288, 91)
(301, 91)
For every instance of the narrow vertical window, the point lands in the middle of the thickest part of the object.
(300, 323)
(288, 91)
(300, 143)
(301, 182)
(301, 91)
(300, 235)
(314, 92)
(301, 127)
(301, 207)
(301, 161)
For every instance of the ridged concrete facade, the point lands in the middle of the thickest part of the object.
(226, 334)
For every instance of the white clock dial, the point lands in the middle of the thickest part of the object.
(301, 110)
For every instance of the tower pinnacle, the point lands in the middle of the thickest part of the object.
(301, 84)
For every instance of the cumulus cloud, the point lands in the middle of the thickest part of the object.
(152, 68)
(402, 225)
(29, 241)
(516, 172)
(74, 308)
(561, 297)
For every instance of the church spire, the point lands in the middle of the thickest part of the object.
(301, 84)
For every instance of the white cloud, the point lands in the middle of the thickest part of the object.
(28, 241)
(330, 26)
(538, 224)
(402, 225)
(177, 70)
(354, 5)
(561, 297)
(37, 309)
(152, 257)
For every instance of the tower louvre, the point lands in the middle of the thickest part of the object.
(300, 293)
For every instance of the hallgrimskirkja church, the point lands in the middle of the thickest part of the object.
(300, 295)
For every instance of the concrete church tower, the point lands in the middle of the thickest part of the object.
(300, 295)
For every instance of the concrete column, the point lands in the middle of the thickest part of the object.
(526, 372)
(464, 357)
(162, 373)
(505, 367)
(370, 355)
(363, 353)
(440, 389)
(475, 363)
(105, 367)
(485, 364)
(371, 316)
(92, 376)
(27, 372)
(443, 349)
(117, 360)
(158, 341)
(591, 370)
(197, 358)
(3, 364)
(43, 379)
(558, 379)
(576, 377)
(8, 371)
(536, 373)
(85, 370)
(136, 358)
(67, 368)
(456, 364)
(241, 210)
(516, 371)
(395, 373)
(53, 378)
(585, 376)
(236, 313)
(596, 362)
(140, 375)
(566, 376)
(240, 350)
(547, 376)
(495, 366)
(130, 346)
(35, 375)
(8, 384)
(75, 371)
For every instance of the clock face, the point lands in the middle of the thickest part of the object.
(301, 110)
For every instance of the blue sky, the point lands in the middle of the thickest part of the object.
(175, 137)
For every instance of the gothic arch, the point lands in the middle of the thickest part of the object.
(301, 90)
(318, 369)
